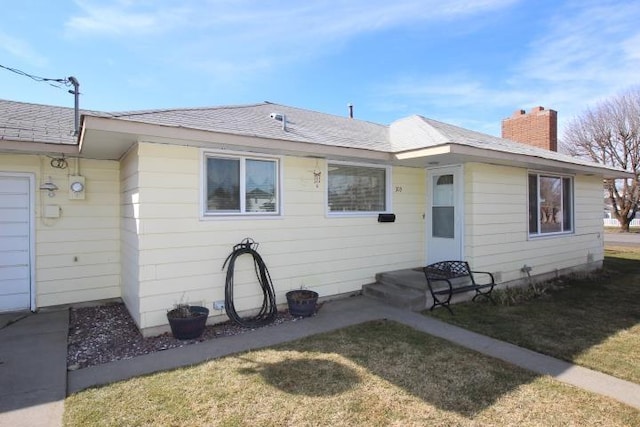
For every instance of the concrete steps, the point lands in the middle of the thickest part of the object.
(401, 288)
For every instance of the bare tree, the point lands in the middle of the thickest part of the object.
(610, 134)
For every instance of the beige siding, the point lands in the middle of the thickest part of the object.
(181, 255)
(129, 211)
(77, 254)
(496, 221)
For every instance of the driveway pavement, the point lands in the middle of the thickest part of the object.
(622, 239)
(33, 368)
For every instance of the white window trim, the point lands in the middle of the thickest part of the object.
(539, 235)
(388, 186)
(242, 156)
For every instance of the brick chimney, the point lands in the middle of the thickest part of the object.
(538, 128)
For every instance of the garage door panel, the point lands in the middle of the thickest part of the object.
(14, 258)
(14, 200)
(16, 218)
(13, 229)
(15, 302)
(13, 243)
(13, 214)
(12, 287)
(10, 184)
(13, 273)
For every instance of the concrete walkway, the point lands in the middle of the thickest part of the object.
(45, 407)
(33, 368)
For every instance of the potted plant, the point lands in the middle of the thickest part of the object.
(302, 302)
(187, 321)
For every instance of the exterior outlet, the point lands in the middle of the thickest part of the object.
(218, 305)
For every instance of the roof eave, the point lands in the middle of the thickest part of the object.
(110, 138)
(30, 147)
(451, 153)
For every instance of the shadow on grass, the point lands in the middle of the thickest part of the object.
(442, 374)
(582, 321)
(309, 376)
(581, 314)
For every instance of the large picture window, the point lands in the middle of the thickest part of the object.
(550, 204)
(357, 188)
(241, 185)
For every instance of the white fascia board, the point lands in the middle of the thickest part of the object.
(468, 153)
(136, 131)
(505, 158)
(424, 152)
(24, 147)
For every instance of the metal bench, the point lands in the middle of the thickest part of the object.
(459, 279)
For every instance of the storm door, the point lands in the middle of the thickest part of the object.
(444, 219)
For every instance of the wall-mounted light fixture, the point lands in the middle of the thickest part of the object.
(317, 175)
(50, 187)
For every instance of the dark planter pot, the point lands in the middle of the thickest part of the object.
(191, 327)
(302, 302)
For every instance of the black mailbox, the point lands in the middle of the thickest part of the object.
(386, 217)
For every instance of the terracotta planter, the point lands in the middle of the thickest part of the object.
(188, 326)
(302, 302)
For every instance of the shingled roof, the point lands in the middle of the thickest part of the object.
(255, 120)
(24, 122)
(21, 121)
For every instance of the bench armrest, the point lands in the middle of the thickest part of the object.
(493, 282)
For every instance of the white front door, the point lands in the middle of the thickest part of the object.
(15, 242)
(444, 214)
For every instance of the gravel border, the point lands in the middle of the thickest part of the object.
(105, 333)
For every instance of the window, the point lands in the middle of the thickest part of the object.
(550, 204)
(358, 189)
(241, 185)
(443, 209)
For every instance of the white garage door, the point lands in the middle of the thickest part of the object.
(15, 243)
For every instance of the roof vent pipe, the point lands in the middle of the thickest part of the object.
(350, 105)
(280, 117)
(76, 94)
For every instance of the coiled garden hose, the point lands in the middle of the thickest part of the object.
(269, 310)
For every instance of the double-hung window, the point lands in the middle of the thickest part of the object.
(358, 189)
(550, 204)
(236, 185)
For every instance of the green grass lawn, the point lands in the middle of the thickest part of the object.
(592, 322)
(375, 374)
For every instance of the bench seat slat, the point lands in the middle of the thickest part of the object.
(461, 289)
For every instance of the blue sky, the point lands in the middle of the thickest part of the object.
(469, 63)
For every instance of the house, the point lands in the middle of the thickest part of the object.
(146, 205)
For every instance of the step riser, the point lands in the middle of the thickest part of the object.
(407, 281)
(406, 298)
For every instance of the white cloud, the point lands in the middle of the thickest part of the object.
(237, 29)
(22, 50)
(588, 51)
(592, 44)
(124, 18)
(441, 94)
(287, 17)
(232, 39)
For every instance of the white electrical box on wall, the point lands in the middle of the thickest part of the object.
(77, 187)
(52, 211)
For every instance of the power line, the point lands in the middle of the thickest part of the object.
(50, 82)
